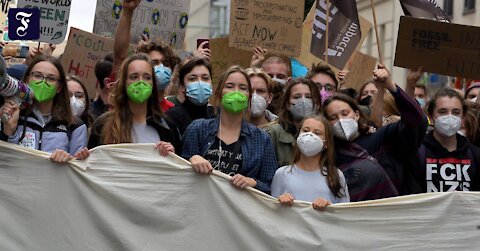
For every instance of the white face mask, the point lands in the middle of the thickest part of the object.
(302, 108)
(447, 125)
(346, 129)
(309, 144)
(280, 81)
(77, 105)
(258, 104)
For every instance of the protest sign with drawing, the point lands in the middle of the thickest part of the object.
(444, 48)
(165, 20)
(53, 18)
(82, 52)
(275, 25)
(224, 56)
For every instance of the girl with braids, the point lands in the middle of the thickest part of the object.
(136, 116)
(313, 176)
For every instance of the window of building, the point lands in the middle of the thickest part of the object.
(448, 8)
(469, 6)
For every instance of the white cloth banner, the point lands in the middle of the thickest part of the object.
(128, 197)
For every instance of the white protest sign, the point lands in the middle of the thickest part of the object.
(162, 19)
(53, 18)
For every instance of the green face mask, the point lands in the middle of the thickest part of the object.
(139, 91)
(235, 102)
(42, 90)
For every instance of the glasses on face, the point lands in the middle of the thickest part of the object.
(326, 87)
(38, 76)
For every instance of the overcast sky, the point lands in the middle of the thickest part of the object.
(82, 13)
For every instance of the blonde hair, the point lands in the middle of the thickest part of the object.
(257, 72)
(217, 96)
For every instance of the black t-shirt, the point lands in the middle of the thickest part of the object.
(230, 158)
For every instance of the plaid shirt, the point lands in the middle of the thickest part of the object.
(259, 162)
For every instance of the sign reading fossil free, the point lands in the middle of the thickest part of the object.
(53, 18)
(443, 48)
(165, 20)
(275, 25)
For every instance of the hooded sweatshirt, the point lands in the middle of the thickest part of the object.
(436, 169)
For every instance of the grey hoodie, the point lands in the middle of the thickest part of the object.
(43, 133)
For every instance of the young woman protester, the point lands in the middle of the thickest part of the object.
(228, 143)
(49, 124)
(313, 176)
(196, 78)
(373, 164)
(136, 116)
(262, 87)
(301, 99)
(79, 100)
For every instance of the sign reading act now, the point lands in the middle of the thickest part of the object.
(444, 48)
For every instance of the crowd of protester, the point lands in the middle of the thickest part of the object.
(308, 138)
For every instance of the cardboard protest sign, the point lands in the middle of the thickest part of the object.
(166, 20)
(444, 48)
(4, 4)
(53, 18)
(82, 52)
(360, 70)
(224, 56)
(275, 25)
(306, 57)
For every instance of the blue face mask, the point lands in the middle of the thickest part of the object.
(199, 92)
(421, 102)
(163, 75)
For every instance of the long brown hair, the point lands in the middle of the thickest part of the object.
(61, 110)
(86, 116)
(327, 159)
(285, 118)
(363, 122)
(118, 123)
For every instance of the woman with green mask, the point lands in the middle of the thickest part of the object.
(228, 143)
(49, 124)
(135, 116)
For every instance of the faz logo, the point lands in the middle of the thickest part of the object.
(23, 24)
(447, 175)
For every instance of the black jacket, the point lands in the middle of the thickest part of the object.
(166, 130)
(435, 169)
(183, 115)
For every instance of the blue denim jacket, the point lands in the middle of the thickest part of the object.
(259, 162)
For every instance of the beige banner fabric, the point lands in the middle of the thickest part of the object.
(128, 197)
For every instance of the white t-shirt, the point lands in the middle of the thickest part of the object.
(143, 133)
(305, 185)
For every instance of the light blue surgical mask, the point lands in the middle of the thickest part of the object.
(421, 102)
(199, 92)
(163, 75)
